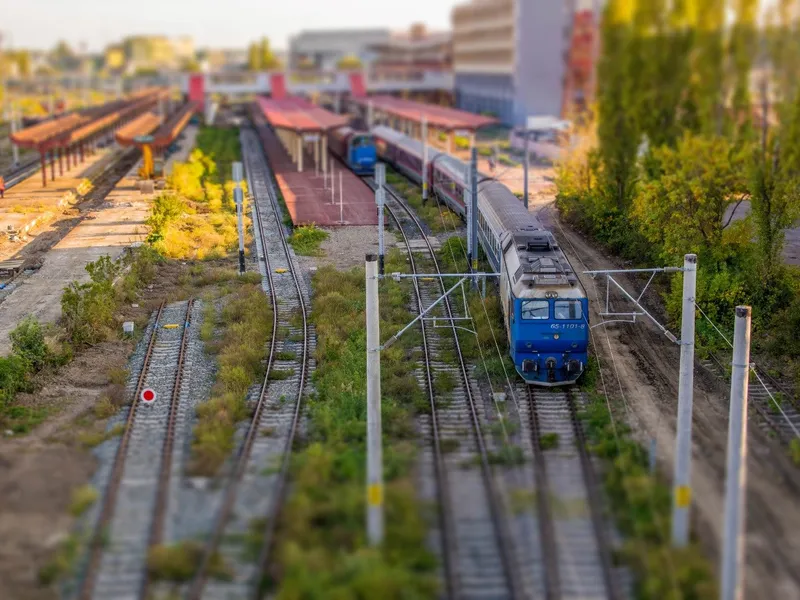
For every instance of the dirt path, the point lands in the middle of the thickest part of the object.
(641, 366)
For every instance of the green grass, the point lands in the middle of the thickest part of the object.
(245, 324)
(794, 451)
(92, 439)
(63, 563)
(306, 240)
(285, 355)
(548, 441)
(641, 506)
(179, 562)
(82, 498)
(321, 547)
(280, 374)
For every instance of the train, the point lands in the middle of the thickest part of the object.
(545, 308)
(355, 148)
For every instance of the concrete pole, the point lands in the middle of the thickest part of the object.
(682, 488)
(527, 169)
(735, 497)
(325, 153)
(450, 142)
(333, 183)
(341, 197)
(380, 198)
(300, 154)
(374, 444)
(14, 129)
(238, 197)
(468, 211)
(473, 212)
(370, 115)
(424, 158)
(316, 156)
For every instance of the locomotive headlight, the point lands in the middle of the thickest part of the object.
(556, 336)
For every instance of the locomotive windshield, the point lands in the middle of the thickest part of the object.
(568, 309)
(362, 140)
(535, 309)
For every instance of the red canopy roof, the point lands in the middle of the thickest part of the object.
(437, 116)
(298, 114)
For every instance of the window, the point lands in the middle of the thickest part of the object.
(535, 309)
(568, 309)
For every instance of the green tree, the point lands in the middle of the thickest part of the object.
(707, 81)
(268, 60)
(742, 50)
(254, 57)
(685, 209)
(617, 132)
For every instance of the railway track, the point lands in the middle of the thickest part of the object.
(134, 502)
(253, 493)
(476, 545)
(19, 173)
(784, 421)
(575, 548)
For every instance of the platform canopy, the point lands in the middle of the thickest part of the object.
(299, 115)
(440, 117)
(155, 131)
(75, 127)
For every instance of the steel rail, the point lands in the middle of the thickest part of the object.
(226, 509)
(110, 497)
(162, 495)
(503, 537)
(445, 516)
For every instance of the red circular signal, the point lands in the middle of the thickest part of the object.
(148, 395)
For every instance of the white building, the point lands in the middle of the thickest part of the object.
(509, 56)
(323, 49)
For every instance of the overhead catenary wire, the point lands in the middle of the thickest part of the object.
(754, 370)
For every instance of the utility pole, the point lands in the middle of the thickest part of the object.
(682, 489)
(424, 159)
(370, 115)
(735, 497)
(374, 444)
(527, 168)
(238, 197)
(468, 209)
(341, 198)
(15, 125)
(473, 213)
(380, 199)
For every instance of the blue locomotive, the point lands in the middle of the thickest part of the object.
(355, 148)
(544, 305)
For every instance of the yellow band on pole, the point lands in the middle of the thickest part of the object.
(683, 496)
(375, 494)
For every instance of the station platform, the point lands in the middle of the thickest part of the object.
(306, 196)
(28, 205)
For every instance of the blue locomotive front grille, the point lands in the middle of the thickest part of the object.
(548, 351)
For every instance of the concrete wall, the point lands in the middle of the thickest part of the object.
(479, 93)
(541, 43)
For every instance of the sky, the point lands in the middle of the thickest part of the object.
(39, 24)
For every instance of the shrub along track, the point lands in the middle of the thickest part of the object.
(140, 475)
(476, 544)
(270, 436)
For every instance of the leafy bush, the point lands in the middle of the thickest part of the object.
(321, 540)
(179, 562)
(27, 342)
(88, 308)
(246, 324)
(641, 506)
(82, 498)
(306, 240)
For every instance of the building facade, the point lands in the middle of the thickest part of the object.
(412, 51)
(323, 49)
(510, 57)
